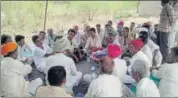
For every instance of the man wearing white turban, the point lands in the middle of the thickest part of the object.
(167, 73)
(145, 87)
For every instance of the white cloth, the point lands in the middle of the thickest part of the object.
(157, 56)
(39, 59)
(78, 38)
(169, 81)
(120, 69)
(12, 82)
(146, 49)
(24, 52)
(73, 76)
(147, 88)
(93, 42)
(33, 85)
(139, 55)
(105, 86)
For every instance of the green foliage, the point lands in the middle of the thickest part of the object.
(27, 16)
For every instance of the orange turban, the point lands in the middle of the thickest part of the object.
(8, 47)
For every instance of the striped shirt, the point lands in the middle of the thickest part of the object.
(167, 18)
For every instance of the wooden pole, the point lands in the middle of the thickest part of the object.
(46, 8)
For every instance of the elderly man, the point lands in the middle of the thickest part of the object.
(73, 76)
(85, 35)
(41, 51)
(93, 42)
(166, 22)
(78, 35)
(135, 49)
(109, 59)
(167, 73)
(145, 87)
(50, 37)
(13, 83)
(105, 86)
(120, 26)
(56, 78)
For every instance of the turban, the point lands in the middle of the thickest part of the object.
(112, 51)
(121, 23)
(137, 43)
(9, 47)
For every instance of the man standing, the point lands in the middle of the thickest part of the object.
(166, 22)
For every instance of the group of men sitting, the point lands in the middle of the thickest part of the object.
(128, 59)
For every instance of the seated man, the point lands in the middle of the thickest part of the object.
(135, 47)
(56, 79)
(143, 35)
(41, 51)
(73, 76)
(93, 42)
(167, 73)
(13, 72)
(105, 86)
(5, 39)
(51, 37)
(24, 51)
(110, 59)
(145, 86)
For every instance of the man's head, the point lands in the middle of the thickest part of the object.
(50, 32)
(98, 27)
(140, 69)
(173, 56)
(164, 2)
(143, 35)
(110, 23)
(135, 46)
(75, 28)
(132, 25)
(108, 27)
(9, 50)
(20, 40)
(125, 31)
(87, 28)
(5, 39)
(71, 34)
(92, 32)
(56, 76)
(42, 35)
(106, 57)
(36, 40)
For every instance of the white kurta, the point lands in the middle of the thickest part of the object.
(73, 76)
(155, 52)
(120, 69)
(139, 55)
(12, 82)
(146, 49)
(169, 80)
(147, 88)
(39, 59)
(105, 86)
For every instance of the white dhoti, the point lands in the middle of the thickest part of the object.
(33, 85)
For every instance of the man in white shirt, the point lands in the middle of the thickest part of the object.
(77, 35)
(24, 51)
(144, 87)
(100, 32)
(43, 38)
(168, 74)
(13, 83)
(93, 42)
(73, 76)
(41, 51)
